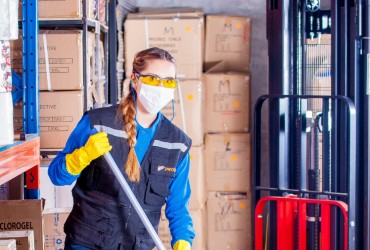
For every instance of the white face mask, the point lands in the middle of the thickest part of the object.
(155, 98)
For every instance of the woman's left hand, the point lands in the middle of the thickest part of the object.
(181, 245)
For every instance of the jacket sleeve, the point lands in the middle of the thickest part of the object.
(57, 170)
(177, 212)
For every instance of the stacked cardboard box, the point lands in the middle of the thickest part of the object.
(69, 9)
(228, 162)
(187, 112)
(199, 222)
(180, 32)
(24, 238)
(54, 220)
(318, 76)
(8, 244)
(228, 39)
(56, 197)
(227, 124)
(227, 96)
(23, 215)
(229, 220)
(318, 79)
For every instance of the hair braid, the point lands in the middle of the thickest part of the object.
(132, 167)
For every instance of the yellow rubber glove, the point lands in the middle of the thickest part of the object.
(181, 245)
(96, 146)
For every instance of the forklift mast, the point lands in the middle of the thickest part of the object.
(318, 48)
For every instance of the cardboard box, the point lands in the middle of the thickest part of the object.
(55, 196)
(188, 115)
(63, 9)
(227, 102)
(199, 221)
(228, 39)
(8, 245)
(91, 69)
(64, 67)
(60, 9)
(24, 239)
(100, 76)
(4, 191)
(59, 115)
(70, 119)
(13, 189)
(23, 215)
(323, 39)
(18, 117)
(228, 162)
(229, 221)
(54, 220)
(320, 85)
(102, 10)
(182, 37)
(197, 178)
(174, 12)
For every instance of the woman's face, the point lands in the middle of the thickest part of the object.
(161, 68)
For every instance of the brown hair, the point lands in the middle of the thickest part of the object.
(128, 109)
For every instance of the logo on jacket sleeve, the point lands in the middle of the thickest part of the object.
(166, 169)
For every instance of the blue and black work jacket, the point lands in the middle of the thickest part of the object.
(102, 216)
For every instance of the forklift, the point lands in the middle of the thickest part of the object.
(313, 191)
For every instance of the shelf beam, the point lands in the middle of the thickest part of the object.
(20, 157)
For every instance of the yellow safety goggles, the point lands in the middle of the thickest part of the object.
(153, 80)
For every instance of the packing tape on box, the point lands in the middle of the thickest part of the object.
(47, 61)
(100, 89)
(90, 96)
(146, 33)
(98, 56)
(6, 121)
(182, 109)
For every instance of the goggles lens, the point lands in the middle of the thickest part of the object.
(170, 83)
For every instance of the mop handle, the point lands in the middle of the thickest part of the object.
(113, 165)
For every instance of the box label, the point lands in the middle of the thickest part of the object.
(16, 225)
(225, 43)
(229, 160)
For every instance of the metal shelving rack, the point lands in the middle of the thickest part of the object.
(24, 156)
(113, 43)
(110, 50)
(86, 25)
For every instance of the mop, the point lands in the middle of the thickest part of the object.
(113, 165)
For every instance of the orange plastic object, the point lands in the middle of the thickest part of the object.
(20, 157)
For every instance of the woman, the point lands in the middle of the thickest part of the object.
(153, 153)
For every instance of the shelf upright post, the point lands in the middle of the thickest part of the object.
(112, 23)
(86, 84)
(31, 121)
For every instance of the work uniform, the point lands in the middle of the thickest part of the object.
(102, 216)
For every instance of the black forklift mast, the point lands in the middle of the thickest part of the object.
(289, 24)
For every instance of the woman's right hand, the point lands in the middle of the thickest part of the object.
(96, 146)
